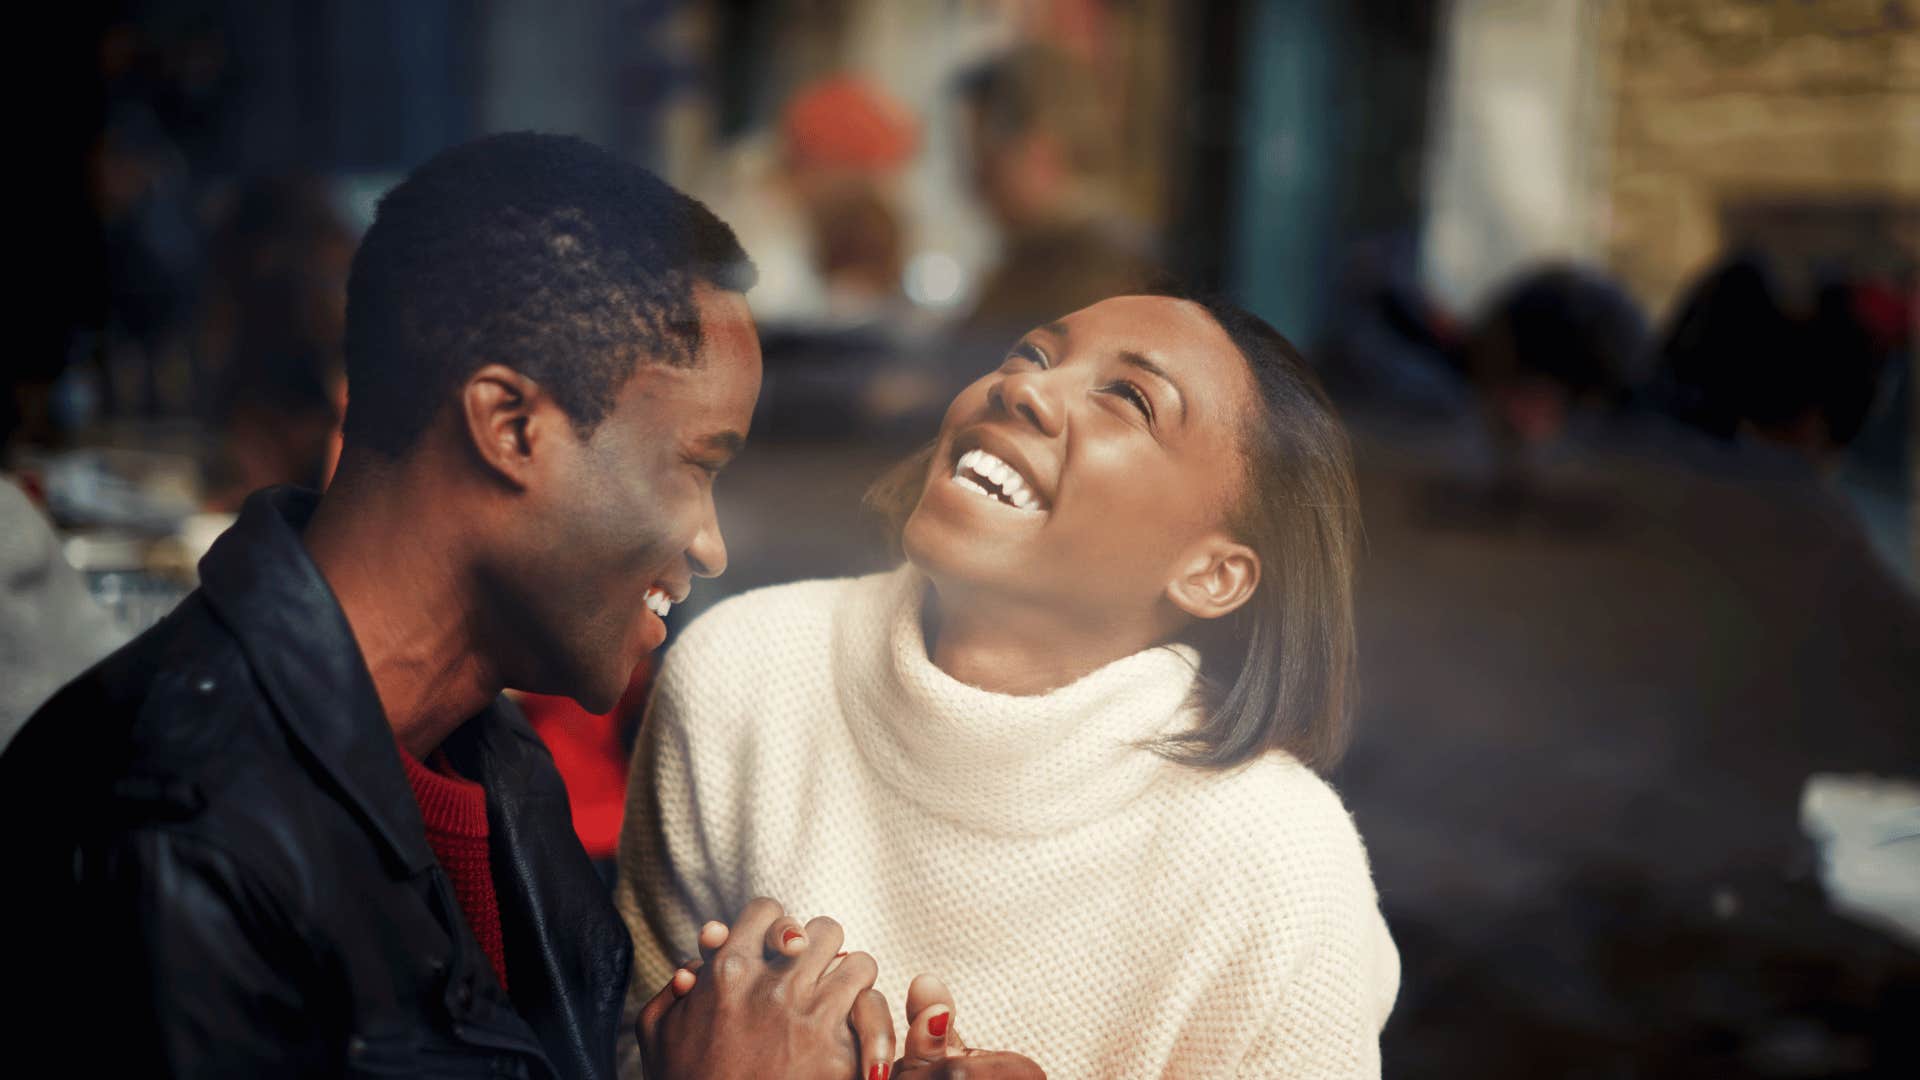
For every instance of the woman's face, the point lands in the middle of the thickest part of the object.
(1085, 470)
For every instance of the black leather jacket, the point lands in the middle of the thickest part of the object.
(215, 867)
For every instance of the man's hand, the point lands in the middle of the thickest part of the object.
(772, 998)
(934, 1050)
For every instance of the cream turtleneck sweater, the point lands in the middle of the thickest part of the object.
(1094, 906)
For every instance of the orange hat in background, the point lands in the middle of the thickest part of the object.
(842, 122)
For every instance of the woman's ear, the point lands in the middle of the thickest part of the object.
(1214, 578)
(504, 422)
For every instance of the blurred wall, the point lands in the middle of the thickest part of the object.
(1516, 174)
(552, 67)
(1328, 106)
(355, 85)
(1283, 226)
(1651, 135)
(1720, 106)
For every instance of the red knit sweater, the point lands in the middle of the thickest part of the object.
(455, 811)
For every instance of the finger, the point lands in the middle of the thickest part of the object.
(682, 982)
(740, 955)
(927, 1036)
(823, 941)
(979, 1066)
(656, 1009)
(785, 938)
(872, 1023)
(835, 993)
(712, 936)
(926, 991)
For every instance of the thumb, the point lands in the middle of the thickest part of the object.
(930, 1022)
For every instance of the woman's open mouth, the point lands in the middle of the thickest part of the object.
(983, 473)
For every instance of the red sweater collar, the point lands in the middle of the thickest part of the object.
(450, 804)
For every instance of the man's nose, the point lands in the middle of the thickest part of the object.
(708, 552)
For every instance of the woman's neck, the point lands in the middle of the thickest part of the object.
(1014, 648)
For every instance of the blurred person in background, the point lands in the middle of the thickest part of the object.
(1743, 360)
(821, 214)
(271, 335)
(163, 81)
(846, 142)
(1810, 371)
(1090, 752)
(815, 203)
(1559, 343)
(1596, 708)
(294, 829)
(1041, 148)
(1390, 349)
(51, 629)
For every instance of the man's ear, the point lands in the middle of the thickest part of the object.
(1214, 577)
(507, 417)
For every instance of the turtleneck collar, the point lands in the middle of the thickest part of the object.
(1000, 763)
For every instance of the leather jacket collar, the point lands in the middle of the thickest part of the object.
(568, 953)
(261, 583)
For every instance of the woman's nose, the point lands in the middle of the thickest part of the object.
(1027, 396)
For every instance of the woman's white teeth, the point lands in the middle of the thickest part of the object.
(658, 603)
(983, 472)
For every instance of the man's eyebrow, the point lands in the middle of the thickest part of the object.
(1056, 328)
(721, 443)
(1134, 359)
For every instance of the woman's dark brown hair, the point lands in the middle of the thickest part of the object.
(1277, 674)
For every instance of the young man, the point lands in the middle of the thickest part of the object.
(294, 829)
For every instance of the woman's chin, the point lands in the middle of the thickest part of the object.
(954, 556)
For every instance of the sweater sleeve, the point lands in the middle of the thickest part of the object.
(1328, 1024)
(666, 887)
(1318, 925)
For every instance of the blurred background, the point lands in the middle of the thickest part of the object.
(1618, 297)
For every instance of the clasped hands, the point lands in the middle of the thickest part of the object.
(769, 997)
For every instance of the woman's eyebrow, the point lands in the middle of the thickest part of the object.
(1134, 359)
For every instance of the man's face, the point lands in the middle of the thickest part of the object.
(625, 518)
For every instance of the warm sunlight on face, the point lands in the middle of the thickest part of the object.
(1100, 449)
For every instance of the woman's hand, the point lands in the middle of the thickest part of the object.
(769, 997)
(934, 1050)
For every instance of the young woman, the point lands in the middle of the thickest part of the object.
(1065, 756)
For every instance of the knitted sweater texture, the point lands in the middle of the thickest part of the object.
(1092, 905)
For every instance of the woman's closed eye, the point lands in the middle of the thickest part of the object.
(1026, 353)
(1130, 391)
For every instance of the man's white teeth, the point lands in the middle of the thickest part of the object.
(658, 603)
(1008, 486)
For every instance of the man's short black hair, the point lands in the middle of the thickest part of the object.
(541, 252)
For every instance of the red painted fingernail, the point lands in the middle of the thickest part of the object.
(937, 1026)
(788, 937)
(879, 1071)
(840, 954)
